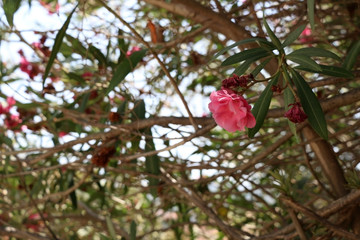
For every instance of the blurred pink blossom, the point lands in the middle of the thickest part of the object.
(132, 50)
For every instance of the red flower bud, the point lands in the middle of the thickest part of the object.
(296, 114)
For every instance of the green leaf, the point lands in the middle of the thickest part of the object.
(272, 36)
(76, 45)
(352, 56)
(330, 71)
(310, 104)
(57, 44)
(4, 139)
(241, 69)
(10, 7)
(111, 228)
(261, 106)
(124, 68)
(98, 55)
(123, 45)
(133, 230)
(73, 193)
(316, 52)
(311, 12)
(259, 67)
(245, 55)
(293, 35)
(304, 61)
(139, 110)
(290, 99)
(84, 101)
(152, 163)
(245, 41)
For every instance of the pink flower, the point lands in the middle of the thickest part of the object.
(62, 134)
(305, 36)
(296, 114)
(231, 111)
(10, 101)
(12, 121)
(3, 110)
(31, 69)
(87, 76)
(132, 50)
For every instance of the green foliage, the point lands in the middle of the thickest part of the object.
(57, 44)
(293, 35)
(311, 105)
(311, 12)
(10, 7)
(124, 68)
(262, 105)
(352, 56)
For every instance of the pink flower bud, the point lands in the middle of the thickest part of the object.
(132, 50)
(231, 111)
(296, 114)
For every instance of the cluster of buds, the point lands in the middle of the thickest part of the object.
(41, 46)
(276, 89)
(11, 120)
(32, 69)
(114, 117)
(295, 113)
(235, 81)
(102, 157)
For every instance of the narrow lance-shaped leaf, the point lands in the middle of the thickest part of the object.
(261, 106)
(133, 230)
(10, 7)
(245, 41)
(304, 61)
(111, 228)
(58, 41)
(330, 71)
(244, 55)
(311, 12)
(241, 69)
(316, 52)
(73, 193)
(352, 56)
(259, 67)
(289, 99)
(293, 35)
(124, 68)
(272, 36)
(311, 105)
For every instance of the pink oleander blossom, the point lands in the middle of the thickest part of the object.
(132, 50)
(10, 101)
(31, 69)
(306, 36)
(12, 121)
(62, 134)
(231, 111)
(296, 114)
(87, 76)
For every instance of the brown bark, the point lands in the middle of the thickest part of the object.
(334, 174)
(328, 161)
(217, 22)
